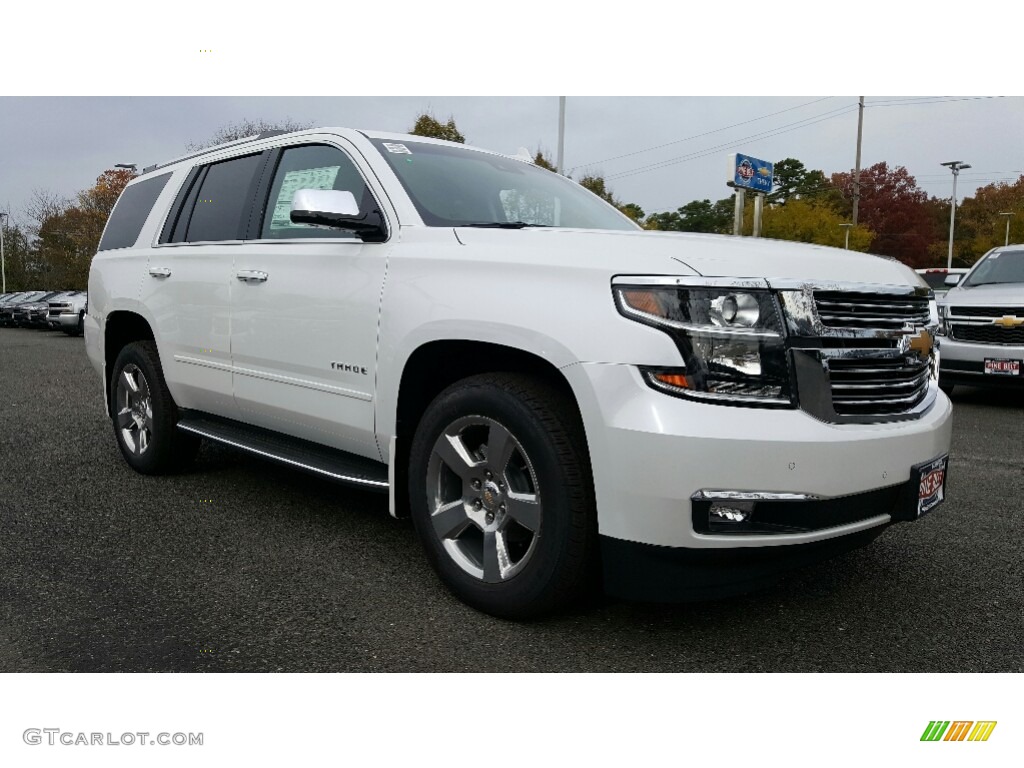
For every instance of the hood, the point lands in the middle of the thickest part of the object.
(997, 293)
(681, 253)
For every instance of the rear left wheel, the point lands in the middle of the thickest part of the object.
(144, 414)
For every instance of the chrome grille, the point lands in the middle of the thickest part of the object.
(872, 386)
(840, 309)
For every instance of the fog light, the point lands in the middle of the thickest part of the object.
(720, 513)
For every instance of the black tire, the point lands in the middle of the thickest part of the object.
(547, 457)
(80, 328)
(163, 449)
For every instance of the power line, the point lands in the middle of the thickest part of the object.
(734, 143)
(699, 135)
(909, 103)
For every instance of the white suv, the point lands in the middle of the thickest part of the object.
(983, 323)
(554, 395)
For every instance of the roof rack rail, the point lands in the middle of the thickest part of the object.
(207, 150)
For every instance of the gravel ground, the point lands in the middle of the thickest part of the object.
(243, 565)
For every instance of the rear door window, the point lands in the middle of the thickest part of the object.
(223, 198)
(131, 212)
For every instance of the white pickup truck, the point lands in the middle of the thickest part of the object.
(558, 398)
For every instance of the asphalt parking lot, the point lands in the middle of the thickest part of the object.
(242, 565)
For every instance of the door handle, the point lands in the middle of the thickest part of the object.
(252, 276)
(159, 272)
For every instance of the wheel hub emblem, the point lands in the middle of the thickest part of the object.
(491, 496)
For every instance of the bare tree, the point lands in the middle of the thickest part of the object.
(247, 127)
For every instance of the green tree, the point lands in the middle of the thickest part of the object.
(245, 128)
(696, 216)
(793, 180)
(17, 256)
(542, 161)
(428, 125)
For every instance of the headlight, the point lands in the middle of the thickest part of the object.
(730, 337)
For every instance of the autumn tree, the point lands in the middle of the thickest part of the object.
(895, 209)
(805, 221)
(979, 226)
(428, 125)
(245, 128)
(67, 233)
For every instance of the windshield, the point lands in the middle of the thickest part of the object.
(458, 187)
(998, 267)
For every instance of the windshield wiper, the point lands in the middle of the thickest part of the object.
(500, 224)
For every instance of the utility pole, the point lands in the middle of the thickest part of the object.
(955, 166)
(561, 133)
(856, 173)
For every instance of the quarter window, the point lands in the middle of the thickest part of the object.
(131, 212)
(310, 167)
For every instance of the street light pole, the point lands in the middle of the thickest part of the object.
(3, 263)
(847, 227)
(561, 134)
(1007, 214)
(955, 166)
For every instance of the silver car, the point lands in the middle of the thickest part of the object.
(982, 319)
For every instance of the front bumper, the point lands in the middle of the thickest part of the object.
(651, 453)
(963, 362)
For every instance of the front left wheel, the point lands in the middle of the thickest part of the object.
(144, 414)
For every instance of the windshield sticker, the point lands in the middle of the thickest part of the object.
(398, 149)
(994, 256)
(307, 178)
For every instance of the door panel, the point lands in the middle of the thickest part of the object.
(304, 316)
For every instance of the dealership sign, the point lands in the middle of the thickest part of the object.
(750, 173)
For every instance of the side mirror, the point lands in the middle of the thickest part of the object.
(952, 280)
(336, 209)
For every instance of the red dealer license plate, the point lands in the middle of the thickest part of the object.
(1000, 367)
(931, 488)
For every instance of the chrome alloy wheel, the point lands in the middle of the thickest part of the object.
(484, 500)
(134, 409)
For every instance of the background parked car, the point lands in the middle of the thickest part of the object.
(936, 277)
(7, 308)
(68, 312)
(33, 313)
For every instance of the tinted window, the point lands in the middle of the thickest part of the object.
(131, 211)
(311, 167)
(222, 199)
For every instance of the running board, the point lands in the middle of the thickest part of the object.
(302, 454)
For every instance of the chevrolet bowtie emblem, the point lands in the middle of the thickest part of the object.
(922, 342)
(1009, 321)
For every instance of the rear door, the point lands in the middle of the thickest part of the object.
(305, 305)
(190, 278)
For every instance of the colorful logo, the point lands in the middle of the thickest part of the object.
(958, 730)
